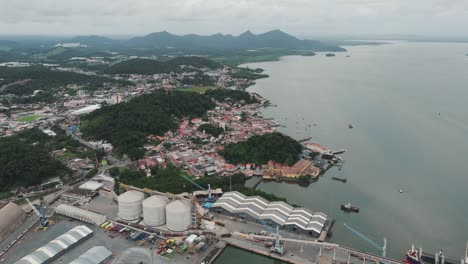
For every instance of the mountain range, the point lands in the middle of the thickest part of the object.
(275, 39)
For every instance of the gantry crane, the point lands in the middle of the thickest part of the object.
(41, 214)
(210, 197)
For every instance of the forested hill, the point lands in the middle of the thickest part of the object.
(234, 96)
(24, 158)
(127, 124)
(25, 80)
(148, 66)
(261, 149)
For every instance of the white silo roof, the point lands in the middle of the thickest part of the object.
(178, 206)
(131, 196)
(155, 201)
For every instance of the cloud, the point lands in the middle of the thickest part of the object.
(300, 17)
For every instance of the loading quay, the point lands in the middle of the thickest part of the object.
(306, 251)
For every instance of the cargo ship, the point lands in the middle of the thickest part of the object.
(417, 256)
(413, 256)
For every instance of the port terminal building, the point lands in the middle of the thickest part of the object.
(257, 209)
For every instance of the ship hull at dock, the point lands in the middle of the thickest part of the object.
(413, 261)
(351, 209)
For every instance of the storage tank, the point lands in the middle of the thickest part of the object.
(177, 216)
(130, 205)
(154, 211)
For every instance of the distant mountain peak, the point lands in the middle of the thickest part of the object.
(275, 39)
(160, 33)
(247, 33)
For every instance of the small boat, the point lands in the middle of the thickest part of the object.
(350, 126)
(413, 256)
(347, 207)
(339, 179)
(401, 191)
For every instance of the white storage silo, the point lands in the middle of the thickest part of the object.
(130, 205)
(154, 211)
(177, 216)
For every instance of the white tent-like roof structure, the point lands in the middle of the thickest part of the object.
(96, 255)
(56, 247)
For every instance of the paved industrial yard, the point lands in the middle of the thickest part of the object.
(33, 240)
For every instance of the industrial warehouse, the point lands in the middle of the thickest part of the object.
(148, 226)
(57, 247)
(281, 214)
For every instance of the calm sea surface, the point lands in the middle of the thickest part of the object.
(408, 103)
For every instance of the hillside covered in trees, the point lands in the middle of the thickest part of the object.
(127, 124)
(148, 66)
(260, 149)
(25, 160)
(235, 96)
(25, 80)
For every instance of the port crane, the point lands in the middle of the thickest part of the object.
(210, 197)
(370, 241)
(277, 246)
(41, 214)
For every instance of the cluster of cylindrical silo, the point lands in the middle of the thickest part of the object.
(130, 205)
(156, 210)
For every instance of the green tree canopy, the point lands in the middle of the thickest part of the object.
(260, 149)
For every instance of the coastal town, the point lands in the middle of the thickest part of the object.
(93, 194)
(187, 147)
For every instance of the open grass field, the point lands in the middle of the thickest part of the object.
(56, 51)
(28, 118)
(196, 89)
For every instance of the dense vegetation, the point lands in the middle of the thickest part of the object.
(126, 125)
(25, 80)
(198, 79)
(211, 130)
(170, 180)
(260, 149)
(250, 74)
(25, 160)
(231, 95)
(148, 66)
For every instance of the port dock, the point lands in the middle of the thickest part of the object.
(211, 257)
(306, 251)
(326, 231)
(431, 259)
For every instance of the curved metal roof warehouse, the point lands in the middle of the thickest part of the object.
(57, 247)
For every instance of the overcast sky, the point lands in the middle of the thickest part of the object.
(299, 17)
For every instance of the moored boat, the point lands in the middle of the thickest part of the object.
(339, 179)
(347, 207)
(413, 256)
